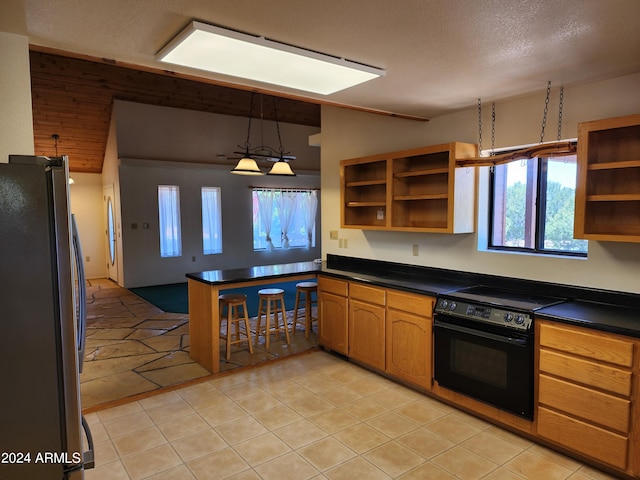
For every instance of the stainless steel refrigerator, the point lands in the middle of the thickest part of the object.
(43, 435)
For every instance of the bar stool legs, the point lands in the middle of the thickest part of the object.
(233, 302)
(304, 289)
(268, 304)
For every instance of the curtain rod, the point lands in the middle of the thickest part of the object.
(285, 189)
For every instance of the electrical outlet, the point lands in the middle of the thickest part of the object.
(87, 258)
(333, 234)
(415, 250)
(344, 243)
(341, 243)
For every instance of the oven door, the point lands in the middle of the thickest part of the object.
(489, 365)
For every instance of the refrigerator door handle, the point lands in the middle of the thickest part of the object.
(88, 457)
(81, 293)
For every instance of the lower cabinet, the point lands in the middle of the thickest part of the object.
(587, 381)
(333, 314)
(367, 324)
(585, 386)
(409, 337)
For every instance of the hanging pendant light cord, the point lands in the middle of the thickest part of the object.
(247, 143)
(275, 114)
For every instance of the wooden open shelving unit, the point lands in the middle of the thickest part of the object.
(608, 188)
(410, 190)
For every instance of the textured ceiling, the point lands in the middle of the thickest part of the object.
(440, 55)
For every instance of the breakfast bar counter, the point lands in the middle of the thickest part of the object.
(204, 312)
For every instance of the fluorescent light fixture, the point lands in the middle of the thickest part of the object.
(216, 49)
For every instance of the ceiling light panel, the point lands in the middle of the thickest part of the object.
(215, 49)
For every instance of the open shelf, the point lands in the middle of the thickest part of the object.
(608, 188)
(411, 190)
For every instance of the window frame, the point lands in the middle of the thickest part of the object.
(256, 216)
(218, 194)
(175, 190)
(540, 176)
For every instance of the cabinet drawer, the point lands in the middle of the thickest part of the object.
(591, 405)
(367, 294)
(331, 285)
(585, 372)
(412, 303)
(590, 440)
(585, 344)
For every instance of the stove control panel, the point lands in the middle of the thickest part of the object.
(485, 313)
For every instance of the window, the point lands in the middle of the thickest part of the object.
(169, 220)
(284, 218)
(211, 221)
(532, 206)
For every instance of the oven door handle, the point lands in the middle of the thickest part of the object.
(522, 342)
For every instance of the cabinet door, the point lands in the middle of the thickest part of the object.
(333, 331)
(409, 347)
(366, 333)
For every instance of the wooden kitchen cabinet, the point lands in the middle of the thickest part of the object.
(409, 337)
(608, 186)
(585, 385)
(418, 190)
(367, 324)
(333, 314)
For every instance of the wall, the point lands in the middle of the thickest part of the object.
(86, 204)
(158, 145)
(16, 121)
(348, 134)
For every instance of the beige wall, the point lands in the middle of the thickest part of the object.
(16, 122)
(86, 204)
(347, 134)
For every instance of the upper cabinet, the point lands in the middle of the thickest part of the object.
(418, 190)
(608, 188)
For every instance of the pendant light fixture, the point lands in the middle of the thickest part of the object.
(248, 164)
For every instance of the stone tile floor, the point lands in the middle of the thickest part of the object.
(135, 348)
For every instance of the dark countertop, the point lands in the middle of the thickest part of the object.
(614, 312)
(422, 285)
(599, 316)
(237, 275)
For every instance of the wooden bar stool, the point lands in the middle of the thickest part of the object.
(305, 289)
(269, 298)
(233, 302)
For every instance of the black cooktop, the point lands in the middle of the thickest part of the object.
(519, 300)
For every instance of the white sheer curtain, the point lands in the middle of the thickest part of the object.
(169, 220)
(211, 221)
(309, 208)
(265, 205)
(287, 203)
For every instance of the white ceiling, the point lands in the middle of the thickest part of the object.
(440, 55)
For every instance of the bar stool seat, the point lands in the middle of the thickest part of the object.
(269, 298)
(233, 302)
(304, 290)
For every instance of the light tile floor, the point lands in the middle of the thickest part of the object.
(310, 416)
(134, 348)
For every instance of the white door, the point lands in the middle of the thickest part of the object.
(111, 233)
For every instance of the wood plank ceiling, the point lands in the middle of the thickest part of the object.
(73, 99)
